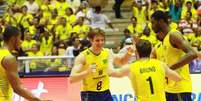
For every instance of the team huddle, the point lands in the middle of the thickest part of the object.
(160, 73)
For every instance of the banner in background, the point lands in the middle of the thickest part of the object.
(51, 88)
(59, 89)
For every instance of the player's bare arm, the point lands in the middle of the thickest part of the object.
(121, 72)
(10, 64)
(77, 73)
(122, 60)
(179, 42)
(171, 74)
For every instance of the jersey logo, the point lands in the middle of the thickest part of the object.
(104, 61)
(87, 52)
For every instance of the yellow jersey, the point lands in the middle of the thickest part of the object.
(99, 80)
(26, 45)
(46, 45)
(151, 38)
(6, 90)
(171, 56)
(159, 51)
(148, 79)
(135, 30)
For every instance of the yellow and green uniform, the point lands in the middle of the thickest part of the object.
(81, 30)
(173, 25)
(148, 79)
(46, 45)
(171, 56)
(9, 19)
(24, 21)
(26, 45)
(6, 90)
(159, 51)
(32, 30)
(33, 64)
(70, 19)
(151, 38)
(98, 81)
(135, 30)
(63, 32)
(185, 10)
(61, 7)
(140, 15)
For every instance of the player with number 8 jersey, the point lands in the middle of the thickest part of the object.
(93, 67)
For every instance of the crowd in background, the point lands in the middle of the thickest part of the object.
(60, 27)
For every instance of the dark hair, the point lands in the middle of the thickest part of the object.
(160, 15)
(144, 48)
(95, 32)
(154, 1)
(97, 9)
(126, 30)
(188, 2)
(9, 32)
(133, 17)
(190, 13)
(71, 10)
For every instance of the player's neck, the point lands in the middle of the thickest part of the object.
(8, 46)
(144, 58)
(95, 50)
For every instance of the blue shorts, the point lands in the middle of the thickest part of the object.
(96, 96)
(178, 96)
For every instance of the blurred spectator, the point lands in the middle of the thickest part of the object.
(54, 64)
(186, 24)
(32, 6)
(72, 50)
(99, 20)
(129, 43)
(175, 11)
(80, 28)
(196, 40)
(82, 10)
(61, 48)
(127, 34)
(61, 6)
(46, 7)
(134, 27)
(63, 30)
(25, 20)
(3, 7)
(101, 3)
(46, 43)
(70, 16)
(188, 8)
(74, 4)
(140, 12)
(195, 66)
(146, 35)
(116, 8)
(35, 51)
(28, 42)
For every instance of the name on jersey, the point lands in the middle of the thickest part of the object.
(147, 70)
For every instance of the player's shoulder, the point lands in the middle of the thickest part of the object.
(174, 32)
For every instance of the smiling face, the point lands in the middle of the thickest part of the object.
(97, 42)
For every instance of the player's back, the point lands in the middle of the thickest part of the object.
(148, 79)
(5, 87)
